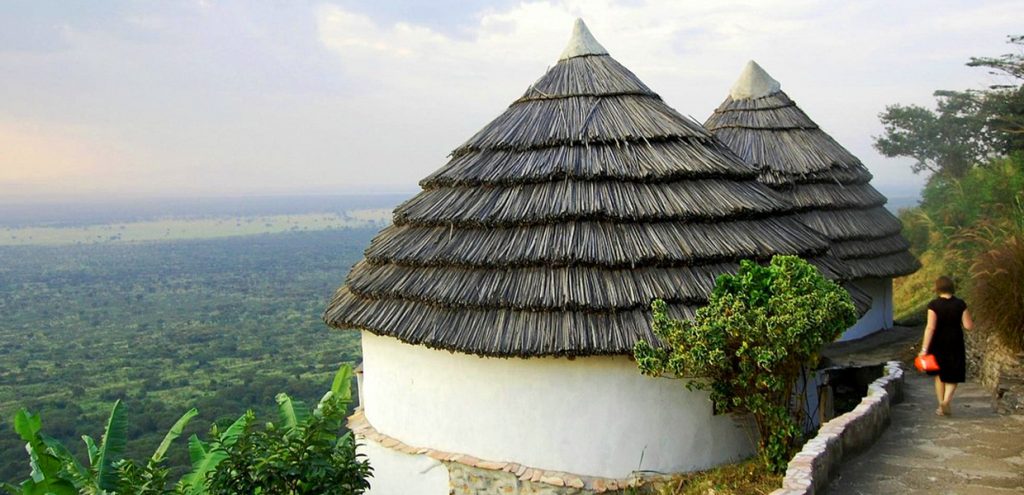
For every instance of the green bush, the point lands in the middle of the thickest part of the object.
(304, 454)
(748, 345)
(301, 455)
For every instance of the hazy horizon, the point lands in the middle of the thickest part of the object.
(220, 99)
(890, 191)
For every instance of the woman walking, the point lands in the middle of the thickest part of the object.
(944, 338)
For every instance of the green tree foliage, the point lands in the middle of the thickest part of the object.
(295, 457)
(47, 475)
(151, 477)
(103, 477)
(983, 193)
(56, 470)
(947, 141)
(747, 346)
(305, 454)
(1005, 102)
(207, 456)
(207, 324)
(965, 128)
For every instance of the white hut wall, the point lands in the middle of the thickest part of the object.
(879, 317)
(398, 473)
(592, 416)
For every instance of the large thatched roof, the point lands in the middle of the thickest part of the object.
(826, 182)
(550, 231)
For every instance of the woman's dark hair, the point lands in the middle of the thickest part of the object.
(945, 285)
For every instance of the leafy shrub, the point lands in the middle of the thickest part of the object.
(747, 346)
(304, 454)
(301, 455)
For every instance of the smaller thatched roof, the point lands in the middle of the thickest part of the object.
(828, 184)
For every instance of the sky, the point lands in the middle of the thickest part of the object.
(213, 98)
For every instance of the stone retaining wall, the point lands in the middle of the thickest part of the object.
(999, 369)
(810, 470)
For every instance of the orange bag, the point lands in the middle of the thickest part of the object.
(926, 363)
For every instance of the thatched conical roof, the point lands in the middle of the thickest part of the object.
(826, 182)
(552, 229)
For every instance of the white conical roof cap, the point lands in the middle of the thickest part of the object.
(754, 82)
(582, 43)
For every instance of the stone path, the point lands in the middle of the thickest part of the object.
(974, 451)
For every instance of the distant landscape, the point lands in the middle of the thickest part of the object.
(212, 306)
(194, 228)
(85, 212)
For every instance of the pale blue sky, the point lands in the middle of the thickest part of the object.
(238, 97)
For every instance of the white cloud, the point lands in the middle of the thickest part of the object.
(240, 97)
(842, 61)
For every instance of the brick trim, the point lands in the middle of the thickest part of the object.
(362, 429)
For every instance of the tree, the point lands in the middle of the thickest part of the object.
(748, 345)
(1008, 64)
(948, 141)
(1005, 102)
(965, 128)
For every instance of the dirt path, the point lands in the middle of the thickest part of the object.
(974, 451)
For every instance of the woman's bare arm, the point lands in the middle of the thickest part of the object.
(929, 331)
(966, 320)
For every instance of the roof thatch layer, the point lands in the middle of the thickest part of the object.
(829, 186)
(551, 230)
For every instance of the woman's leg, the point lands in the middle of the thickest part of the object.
(940, 390)
(947, 399)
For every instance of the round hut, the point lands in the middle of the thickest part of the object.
(499, 311)
(830, 187)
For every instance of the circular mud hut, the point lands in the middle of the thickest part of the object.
(829, 186)
(499, 311)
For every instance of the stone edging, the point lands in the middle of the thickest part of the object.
(811, 469)
(362, 428)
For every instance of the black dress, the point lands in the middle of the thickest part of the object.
(948, 341)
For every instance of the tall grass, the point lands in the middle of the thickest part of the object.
(997, 276)
(911, 294)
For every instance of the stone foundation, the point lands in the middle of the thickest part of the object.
(466, 480)
(469, 475)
